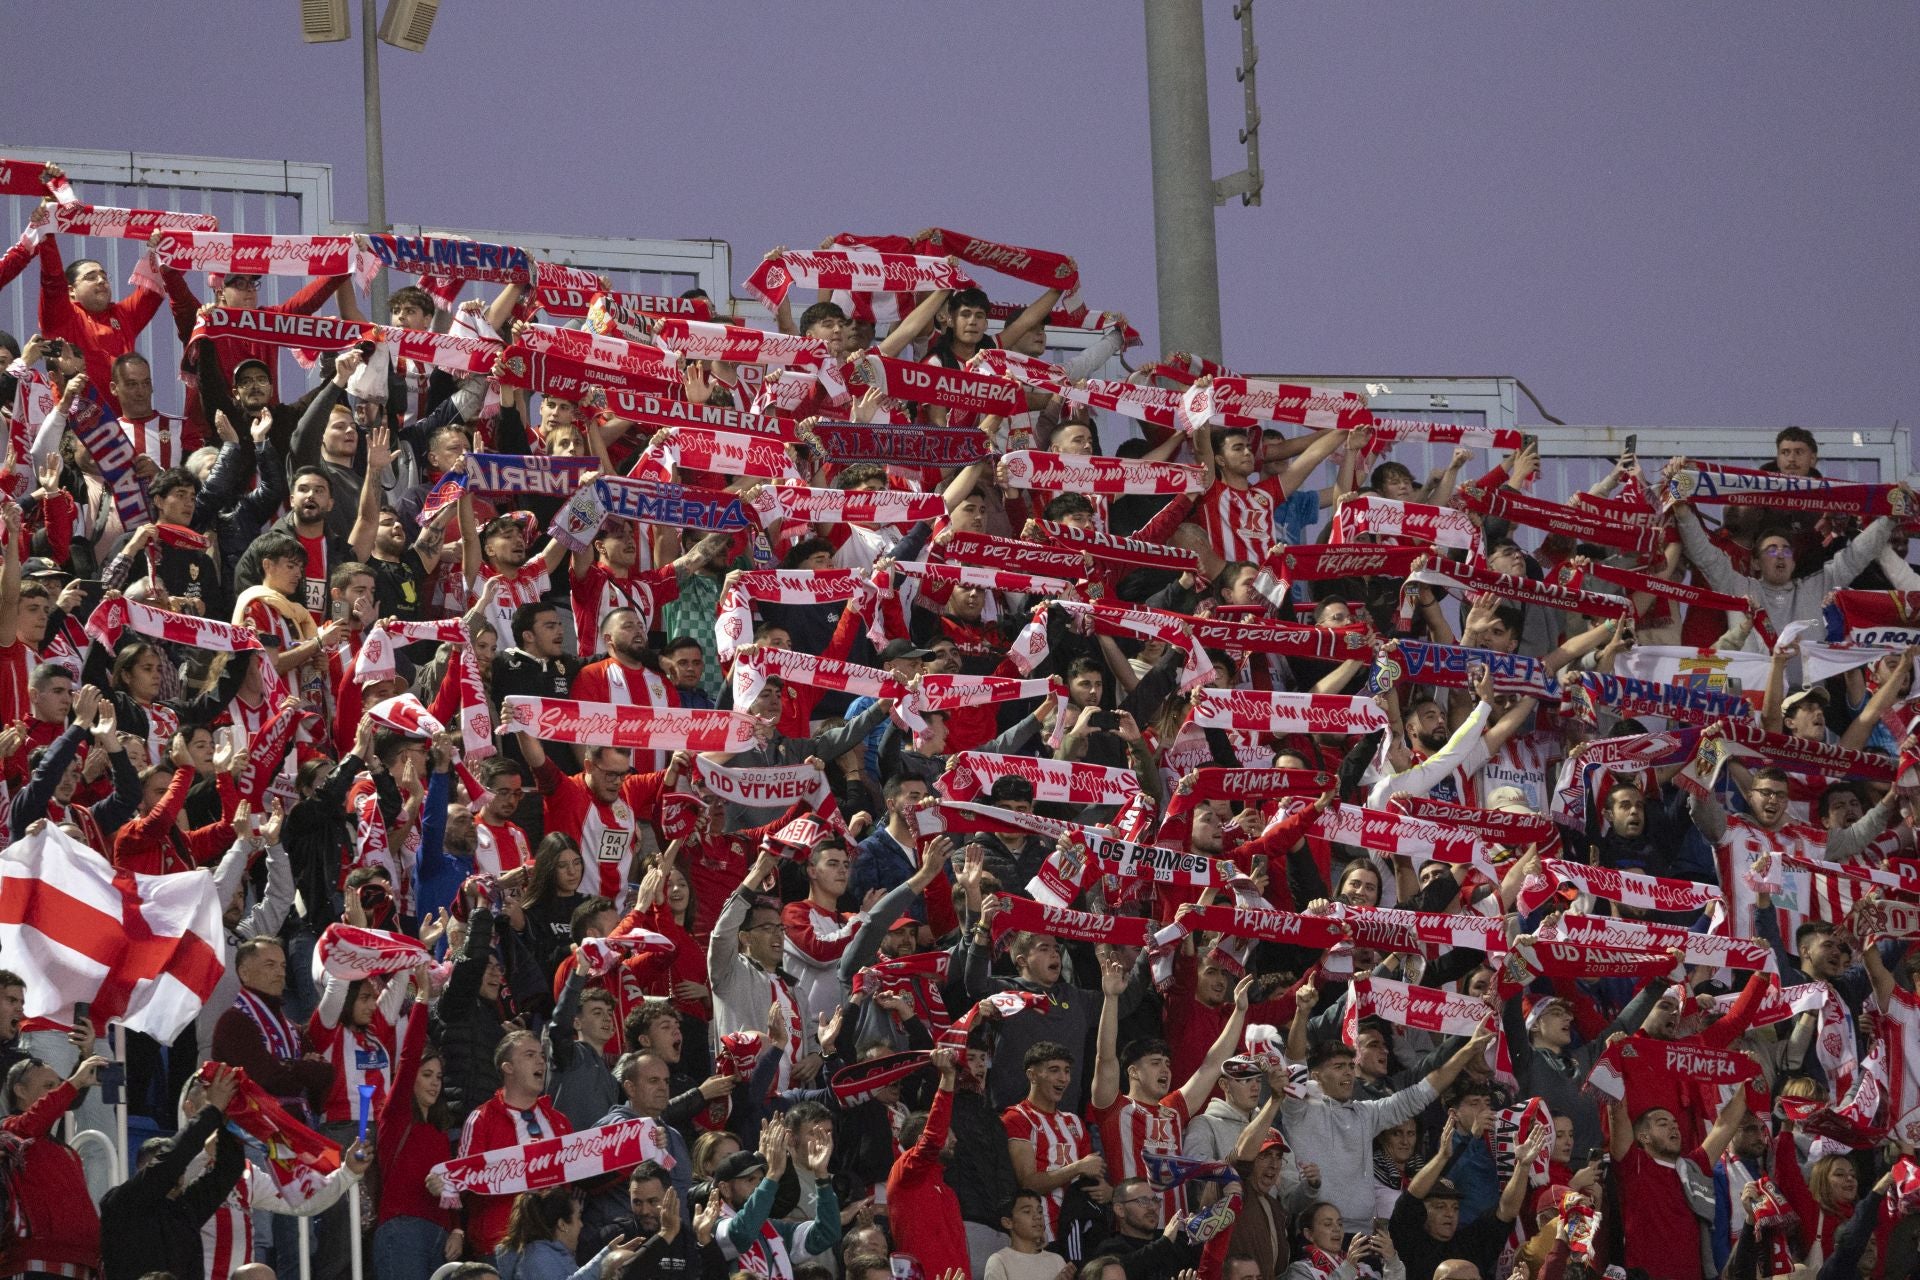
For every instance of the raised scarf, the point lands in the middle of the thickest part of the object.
(124, 224)
(233, 253)
(971, 774)
(735, 344)
(1111, 549)
(763, 788)
(1449, 1013)
(1344, 560)
(601, 354)
(1513, 830)
(1084, 473)
(1025, 915)
(1398, 929)
(649, 502)
(1385, 517)
(23, 178)
(919, 446)
(572, 304)
(1450, 666)
(1553, 517)
(1155, 406)
(1716, 483)
(751, 671)
(1524, 590)
(1288, 928)
(1693, 704)
(1254, 786)
(298, 1160)
(1395, 833)
(1551, 958)
(557, 1161)
(605, 724)
(932, 384)
(1629, 888)
(455, 352)
(862, 1081)
(113, 616)
(351, 953)
(460, 259)
(1388, 431)
(113, 453)
(733, 621)
(1225, 399)
(1285, 713)
(1040, 267)
(855, 270)
(601, 956)
(986, 551)
(845, 506)
(722, 452)
(1712, 949)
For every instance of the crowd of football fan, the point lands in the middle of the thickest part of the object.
(854, 1072)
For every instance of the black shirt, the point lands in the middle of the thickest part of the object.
(400, 585)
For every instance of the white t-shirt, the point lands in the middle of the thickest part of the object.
(1010, 1264)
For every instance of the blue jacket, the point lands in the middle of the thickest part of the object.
(544, 1260)
(882, 863)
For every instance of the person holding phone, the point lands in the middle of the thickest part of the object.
(1322, 1258)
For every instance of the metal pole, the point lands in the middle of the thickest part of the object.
(1186, 267)
(376, 150)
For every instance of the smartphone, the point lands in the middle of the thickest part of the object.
(1632, 449)
(82, 1008)
(1105, 720)
(339, 610)
(1529, 441)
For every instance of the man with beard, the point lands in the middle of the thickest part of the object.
(613, 579)
(922, 1207)
(667, 1248)
(310, 508)
(496, 842)
(1446, 766)
(401, 565)
(625, 677)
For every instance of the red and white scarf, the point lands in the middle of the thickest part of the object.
(1395, 833)
(751, 672)
(124, 224)
(120, 614)
(1288, 928)
(558, 1161)
(232, 253)
(1398, 929)
(933, 384)
(455, 352)
(986, 551)
(376, 659)
(1081, 473)
(920, 976)
(1629, 888)
(733, 619)
(1521, 589)
(1027, 915)
(351, 953)
(735, 344)
(1712, 949)
(845, 506)
(856, 270)
(1285, 713)
(971, 774)
(1389, 431)
(1109, 549)
(604, 724)
(1156, 406)
(1231, 399)
(600, 956)
(601, 353)
(1553, 517)
(1348, 560)
(1386, 517)
(766, 787)
(988, 579)
(1039, 267)
(22, 178)
(1449, 1013)
(722, 452)
(572, 304)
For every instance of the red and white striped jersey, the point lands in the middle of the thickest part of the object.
(1130, 1129)
(497, 850)
(1744, 842)
(521, 586)
(1526, 762)
(1239, 522)
(159, 436)
(598, 592)
(1059, 1138)
(1902, 1038)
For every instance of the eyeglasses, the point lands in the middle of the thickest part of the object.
(1776, 553)
(761, 928)
(1770, 793)
(1118, 1204)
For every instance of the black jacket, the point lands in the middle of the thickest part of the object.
(143, 1228)
(466, 1026)
(318, 834)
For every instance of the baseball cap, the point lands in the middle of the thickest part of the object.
(1241, 1067)
(738, 1165)
(41, 567)
(249, 361)
(896, 649)
(1817, 692)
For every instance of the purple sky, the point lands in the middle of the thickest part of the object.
(1651, 213)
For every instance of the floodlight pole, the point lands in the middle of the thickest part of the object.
(376, 150)
(1186, 263)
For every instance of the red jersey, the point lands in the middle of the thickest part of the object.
(922, 1207)
(597, 592)
(606, 832)
(164, 438)
(521, 586)
(102, 338)
(1058, 1137)
(1239, 522)
(500, 849)
(493, 1125)
(17, 661)
(1130, 1130)
(1661, 1231)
